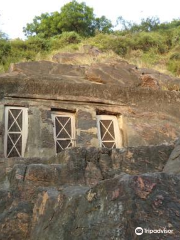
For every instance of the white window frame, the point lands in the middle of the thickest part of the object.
(23, 132)
(117, 134)
(64, 114)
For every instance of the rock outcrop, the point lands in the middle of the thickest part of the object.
(112, 209)
(90, 194)
(119, 73)
(85, 166)
(65, 67)
(87, 193)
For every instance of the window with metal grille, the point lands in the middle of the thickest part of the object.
(64, 131)
(108, 131)
(16, 129)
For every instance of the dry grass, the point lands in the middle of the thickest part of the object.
(81, 59)
(160, 66)
(100, 58)
(170, 87)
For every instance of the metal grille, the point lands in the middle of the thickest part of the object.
(63, 132)
(14, 133)
(107, 133)
(62, 144)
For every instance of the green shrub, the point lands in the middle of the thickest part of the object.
(19, 44)
(64, 39)
(175, 56)
(5, 49)
(174, 67)
(151, 57)
(38, 44)
(145, 41)
(118, 44)
(70, 37)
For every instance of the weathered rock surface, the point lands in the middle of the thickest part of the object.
(104, 73)
(107, 163)
(113, 73)
(150, 116)
(110, 71)
(87, 194)
(84, 166)
(110, 210)
(116, 72)
(68, 67)
(173, 163)
(156, 80)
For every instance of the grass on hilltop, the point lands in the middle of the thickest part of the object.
(158, 49)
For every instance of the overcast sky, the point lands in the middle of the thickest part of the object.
(15, 14)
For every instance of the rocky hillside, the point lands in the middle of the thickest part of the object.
(68, 67)
(90, 193)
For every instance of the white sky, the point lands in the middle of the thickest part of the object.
(15, 14)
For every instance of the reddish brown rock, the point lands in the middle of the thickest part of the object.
(149, 82)
(143, 187)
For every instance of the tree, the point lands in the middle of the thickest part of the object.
(3, 35)
(77, 17)
(5, 47)
(103, 25)
(124, 24)
(45, 26)
(74, 17)
(146, 25)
